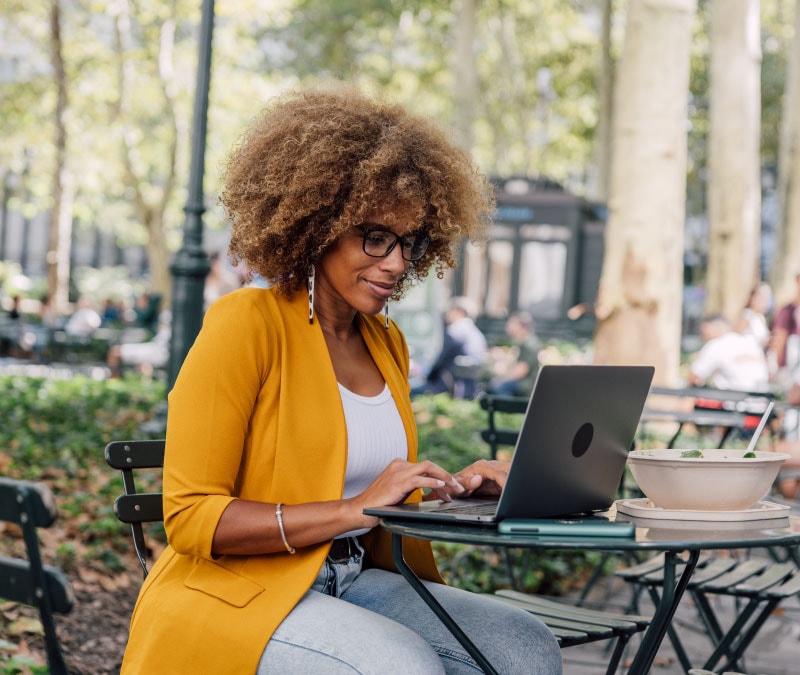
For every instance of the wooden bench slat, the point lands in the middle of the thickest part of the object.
(17, 584)
(547, 607)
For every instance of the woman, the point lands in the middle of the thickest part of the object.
(291, 414)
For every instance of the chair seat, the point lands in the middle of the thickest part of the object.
(578, 625)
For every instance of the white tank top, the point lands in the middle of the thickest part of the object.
(375, 436)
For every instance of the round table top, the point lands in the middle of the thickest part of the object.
(650, 534)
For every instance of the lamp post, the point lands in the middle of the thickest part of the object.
(190, 266)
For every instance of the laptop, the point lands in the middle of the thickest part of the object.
(571, 451)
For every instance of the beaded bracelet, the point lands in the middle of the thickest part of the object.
(279, 516)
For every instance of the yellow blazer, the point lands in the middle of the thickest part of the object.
(255, 414)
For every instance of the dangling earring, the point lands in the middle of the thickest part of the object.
(386, 314)
(310, 283)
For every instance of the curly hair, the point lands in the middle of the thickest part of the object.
(314, 164)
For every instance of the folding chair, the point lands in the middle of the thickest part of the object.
(31, 505)
(761, 583)
(133, 507)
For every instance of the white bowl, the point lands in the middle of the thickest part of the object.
(720, 480)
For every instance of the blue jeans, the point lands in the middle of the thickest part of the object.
(373, 622)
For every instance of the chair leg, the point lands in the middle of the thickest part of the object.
(616, 657)
(677, 645)
(592, 580)
(55, 659)
(731, 647)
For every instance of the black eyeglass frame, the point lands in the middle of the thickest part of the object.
(407, 239)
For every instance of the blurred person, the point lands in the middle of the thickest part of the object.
(728, 359)
(14, 313)
(464, 351)
(146, 310)
(219, 281)
(11, 329)
(47, 315)
(785, 341)
(789, 442)
(111, 312)
(518, 377)
(146, 356)
(85, 320)
(753, 319)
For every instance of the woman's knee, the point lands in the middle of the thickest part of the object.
(520, 642)
(539, 650)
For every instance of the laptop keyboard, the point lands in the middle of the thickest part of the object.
(472, 509)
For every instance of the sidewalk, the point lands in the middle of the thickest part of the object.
(53, 370)
(775, 651)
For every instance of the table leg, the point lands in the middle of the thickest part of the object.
(670, 598)
(433, 603)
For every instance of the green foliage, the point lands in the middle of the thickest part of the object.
(55, 431)
(449, 431)
(20, 664)
(485, 570)
(63, 425)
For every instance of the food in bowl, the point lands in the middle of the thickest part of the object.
(716, 480)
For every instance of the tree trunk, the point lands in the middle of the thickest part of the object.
(787, 259)
(466, 93)
(58, 255)
(149, 201)
(599, 179)
(734, 186)
(639, 300)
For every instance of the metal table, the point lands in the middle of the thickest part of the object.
(669, 537)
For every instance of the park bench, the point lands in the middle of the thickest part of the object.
(735, 413)
(30, 505)
(571, 625)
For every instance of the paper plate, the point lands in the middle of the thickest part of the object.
(644, 508)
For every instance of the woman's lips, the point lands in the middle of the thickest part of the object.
(382, 290)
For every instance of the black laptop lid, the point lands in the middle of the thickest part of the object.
(572, 449)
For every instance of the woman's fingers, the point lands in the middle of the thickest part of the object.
(486, 477)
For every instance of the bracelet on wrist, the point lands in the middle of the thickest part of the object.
(279, 518)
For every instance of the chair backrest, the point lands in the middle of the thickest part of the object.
(31, 505)
(133, 507)
(494, 435)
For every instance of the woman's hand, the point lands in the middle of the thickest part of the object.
(484, 478)
(399, 479)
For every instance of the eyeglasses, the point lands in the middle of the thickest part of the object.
(379, 243)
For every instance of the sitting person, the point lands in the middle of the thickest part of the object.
(753, 319)
(85, 320)
(789, 486)
(728, 359)
(146, 356)
(291, 414)
(463, 349)
(518, 377)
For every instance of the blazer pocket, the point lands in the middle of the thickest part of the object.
(220, 582)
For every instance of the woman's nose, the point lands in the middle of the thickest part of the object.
(395, 262)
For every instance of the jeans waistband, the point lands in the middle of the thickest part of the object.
(343, 549)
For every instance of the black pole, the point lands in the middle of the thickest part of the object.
(190, 265)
